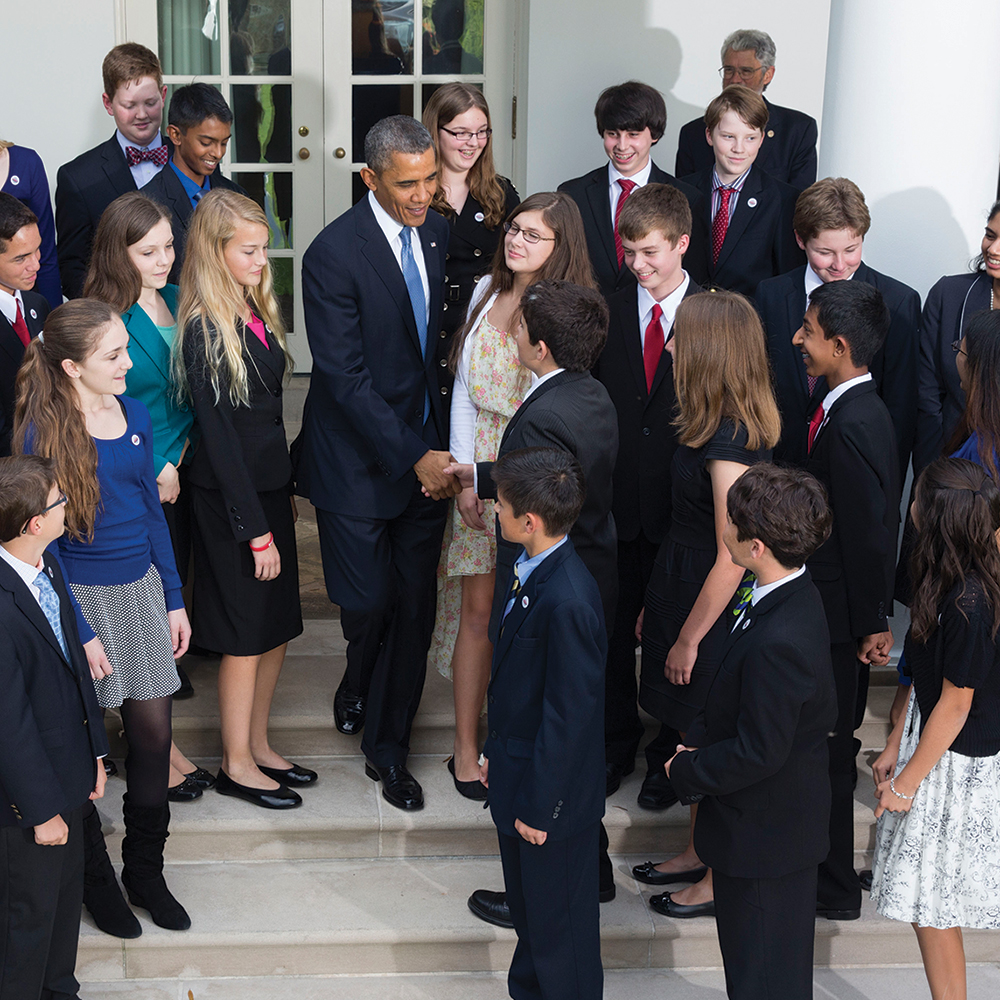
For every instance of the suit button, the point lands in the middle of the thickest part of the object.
(444, 307)
(277, 421)
(237, 518)
(560, 802)
(555, 815)
(447, 256)
(443, 334)
(232, 510)
(645, 431)
(418, 413)
(444, 390)
(477, 252)
(277, 391)
(84, 721)
(443, 362)
(240, 527)
(493, 735)
(475, 280)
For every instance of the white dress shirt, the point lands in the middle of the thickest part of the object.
(537, 380)
(8, 305)
(813, 281)
(640, 179)
(759, 592)
(393, 231)
(25, 571)
(145, 170)
(834, 394)
(668, 305)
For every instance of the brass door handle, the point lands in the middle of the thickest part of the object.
(340, 152)
(303, 130)
(303, 153)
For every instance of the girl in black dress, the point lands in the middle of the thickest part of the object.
(727, 421)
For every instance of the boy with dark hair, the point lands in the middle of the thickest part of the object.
(748, 212)
(851, 448)
(758, 756)
(199, 126)
(51, 741)
(134, 93)
(544, 758)
(637, 371)
(830, 221)
(631, 118)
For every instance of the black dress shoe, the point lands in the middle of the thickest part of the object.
(202, 778)
(399, 787)
(491, 907)
(665, 905)
(348, 710)
(110, 768)
(187, 791)
(865, 878)
(656, 792)
(269, 798)
(474, 790)
(186, 690)
(614, 773)
(292, 776)
(606, 894)
(646, 872)
(823, 911)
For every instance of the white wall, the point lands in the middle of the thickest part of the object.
(577, 49)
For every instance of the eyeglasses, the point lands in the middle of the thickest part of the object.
(956, 346)
(530, 236)
(744, 72)
(62, 499)
(481, 136)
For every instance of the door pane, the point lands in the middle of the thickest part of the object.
(381, 37)
(259, 37)
(283, 274)
(372, 103)
(262, 122)
(272, 191)
(188, 38)
(453, 36)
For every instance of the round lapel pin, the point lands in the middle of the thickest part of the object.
(15, 179)
(524, 602)
(136, 440)
(479, 217)
(752, 203)
(33, 314)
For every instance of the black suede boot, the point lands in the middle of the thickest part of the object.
(142, 852)
(101, 894)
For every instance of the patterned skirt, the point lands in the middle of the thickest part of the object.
(938, 865)
(130, 619)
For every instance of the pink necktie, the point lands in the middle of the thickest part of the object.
(720, 223)
(627, 188)
(652, 346)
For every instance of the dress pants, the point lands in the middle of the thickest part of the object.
(382, 574)
(41, 896)
(552, 895)
(622, 728)
(766, 930)
(839, 888)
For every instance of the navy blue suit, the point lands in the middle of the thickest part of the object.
(35, 309)
(546, 768)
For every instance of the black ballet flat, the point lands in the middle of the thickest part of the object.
(474, 790)
(269, 798)
(187, 791)
(680, 911)
(201, 777)
(646, 872)
(293, 775)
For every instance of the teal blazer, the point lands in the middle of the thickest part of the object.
(149, 381)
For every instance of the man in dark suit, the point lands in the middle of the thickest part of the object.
(133, 94)
(637, 372)
(372, 435)
(199, 126)
(852, 452)
(759, 770)
(831, 219)
(788, 153)
(544, 755)
(22, 311)
(748, 213)
(51, 738)
(631, 118)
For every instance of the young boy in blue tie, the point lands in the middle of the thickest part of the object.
(51, 736)
(544, 756)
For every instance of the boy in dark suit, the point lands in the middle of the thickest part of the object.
(631, 118)
(831, 219)
(22, 311)
(852, 452)
(134, 93)
(199, 126)
(635, 368)
(759, 773)
(748, 213)
(51, 738)
(544, 757)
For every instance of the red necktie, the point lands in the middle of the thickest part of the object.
(627, 188)
(814, 424)
(720, 223)
(652, 346)
(20, 327)
(134, 155)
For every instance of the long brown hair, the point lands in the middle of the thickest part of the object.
(721, 371)
(445, 105)
(957, 514)
(49, 405)
(569, 260)
(112, 276)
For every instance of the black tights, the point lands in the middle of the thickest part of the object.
(147, 729)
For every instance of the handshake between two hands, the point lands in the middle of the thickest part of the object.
(441, 477)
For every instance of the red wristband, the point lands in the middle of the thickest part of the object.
(264, 548)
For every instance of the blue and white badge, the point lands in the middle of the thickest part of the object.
(32, 314)
(524, 602)
(752, 203)
(15, 179)
(479, 217)
(136, 440)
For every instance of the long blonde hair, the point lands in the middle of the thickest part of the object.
(721, 371)
(211, 299)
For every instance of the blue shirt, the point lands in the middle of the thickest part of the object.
(192, 190)
(524, 567)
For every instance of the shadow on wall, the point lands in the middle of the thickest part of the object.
(667, 48)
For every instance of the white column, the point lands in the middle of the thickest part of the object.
(911, 114)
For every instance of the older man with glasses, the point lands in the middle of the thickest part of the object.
(788, 152)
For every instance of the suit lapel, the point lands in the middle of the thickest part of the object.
(856, 390)
(536, 394)
(144, 335)
(180, 203)
(600, 206)
(272, 357)
(31, 609)
(742, 217)
(115, 167)
(631, 336)
(10, 342)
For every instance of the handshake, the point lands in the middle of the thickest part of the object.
(441, 477)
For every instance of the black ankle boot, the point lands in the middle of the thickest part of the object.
(142, 852)
(101, 894)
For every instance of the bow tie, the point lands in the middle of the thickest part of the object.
(134, 155)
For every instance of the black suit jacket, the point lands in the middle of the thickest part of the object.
(51, 729)
(781, 303)
(572, 411)
(546, 702)
(854, 457)
(788, 152)
(84, 189)
(36, 308)
(761, 770)
(167, 189)
(647, 439)
(590, 192)
(760, 241)
(362, 429)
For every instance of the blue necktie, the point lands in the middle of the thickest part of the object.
(49, 600)
(415, 289)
